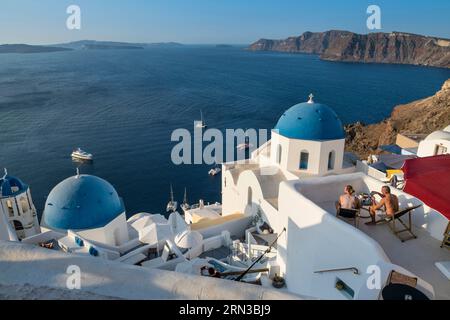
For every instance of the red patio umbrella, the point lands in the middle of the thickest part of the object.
(429, 180)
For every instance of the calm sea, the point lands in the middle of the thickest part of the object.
(123, 106)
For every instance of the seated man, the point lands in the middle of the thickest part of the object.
(210, 272)
(388, 201)
(348, 200)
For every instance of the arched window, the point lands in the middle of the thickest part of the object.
(250, 196)
(19, 229)
(9, 204)
(331, 159)
(279, 151)
(304, 158)
(24, 205)
(17, 225)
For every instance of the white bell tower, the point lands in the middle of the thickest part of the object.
(16, 205)
(309, 140)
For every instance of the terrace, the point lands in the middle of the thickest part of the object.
(419, 255)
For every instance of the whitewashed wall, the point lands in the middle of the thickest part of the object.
(316, 240)
(27, 265)
(115, 229)
(427, 148)
(318, 154)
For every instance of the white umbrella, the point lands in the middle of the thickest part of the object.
(155, 233)
(188, 239)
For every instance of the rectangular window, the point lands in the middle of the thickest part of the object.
(304, 157)
(440, 150)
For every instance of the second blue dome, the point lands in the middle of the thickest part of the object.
(82, 202)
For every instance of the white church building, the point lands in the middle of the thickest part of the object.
(292, 183)
(18, 216)
(308, 141)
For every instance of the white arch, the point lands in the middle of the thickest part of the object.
(279, 153)
(331, 160)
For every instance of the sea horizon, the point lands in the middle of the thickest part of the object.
(122, 106)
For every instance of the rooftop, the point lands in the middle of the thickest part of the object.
(11, 186)
(418, 256)
(82, 202)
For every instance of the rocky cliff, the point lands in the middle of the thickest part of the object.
(421, 117)
(395, 47)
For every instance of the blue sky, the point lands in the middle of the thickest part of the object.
(210, 21)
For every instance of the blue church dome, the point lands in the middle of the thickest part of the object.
(310, 121)
(82, 202)
(11, 186)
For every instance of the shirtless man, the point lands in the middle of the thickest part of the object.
(388, 201)
(348, 200)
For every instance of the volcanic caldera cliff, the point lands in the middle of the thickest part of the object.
(418, 117)
(336, 45)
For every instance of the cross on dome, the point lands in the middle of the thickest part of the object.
(311, 97)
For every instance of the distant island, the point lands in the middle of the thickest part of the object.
(25, 48)
(109, 47)
(82, 45)
(164, 44)
(336, 45)
(112, 45)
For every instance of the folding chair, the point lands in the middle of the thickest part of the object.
(349, 214)
(407, 227)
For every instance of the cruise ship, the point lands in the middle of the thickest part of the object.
(277, 233)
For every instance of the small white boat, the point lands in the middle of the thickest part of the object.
(185, 205)
(215, 171)
(172, 205)
(244, 146)
(82, 155)
(201, 123)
